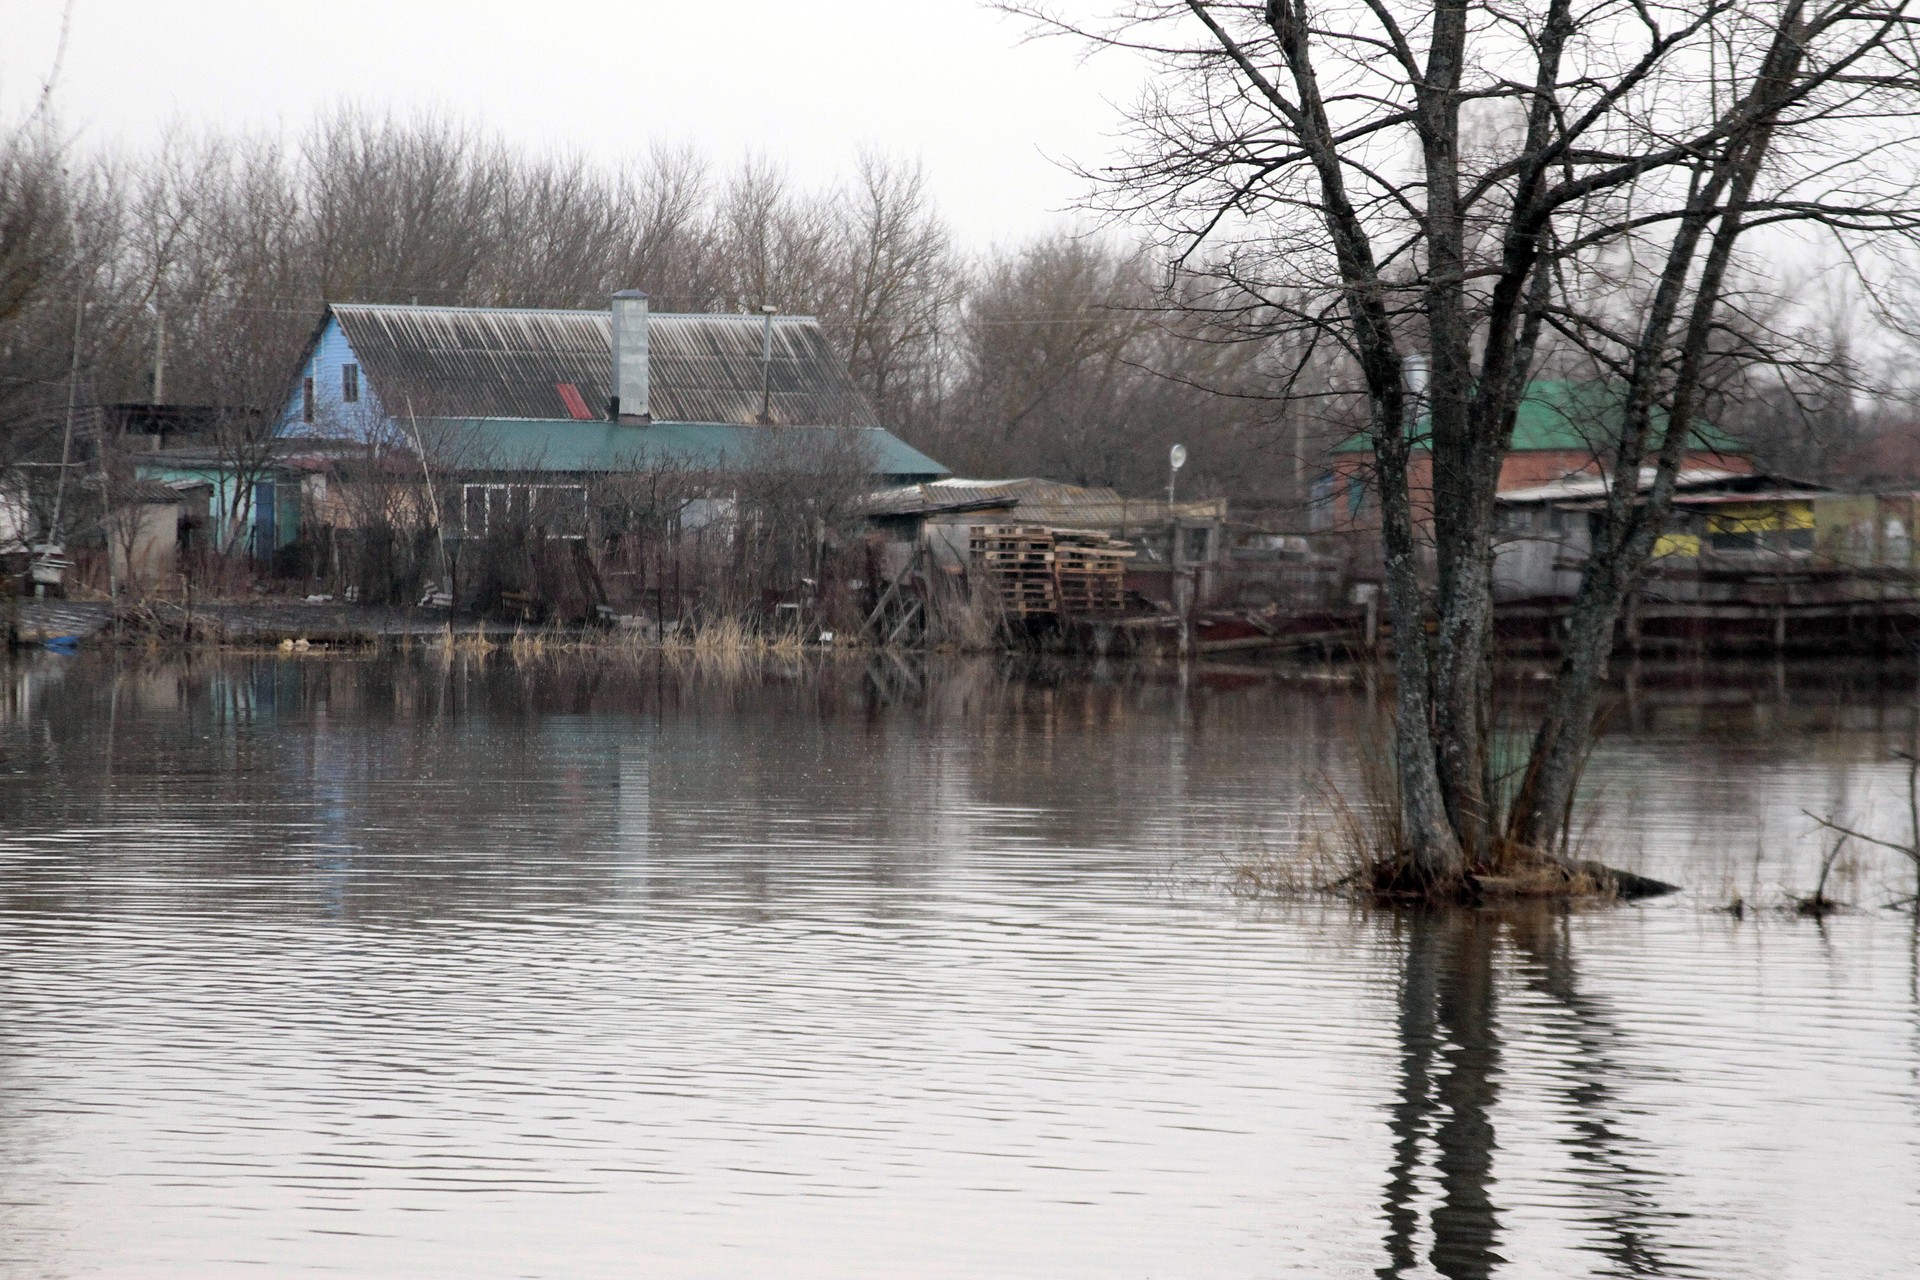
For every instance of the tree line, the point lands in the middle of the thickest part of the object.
(215, 252)
(1077, 357)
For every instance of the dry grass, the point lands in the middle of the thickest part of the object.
(470, 642)
(965, 617)
(1356, 844)
(1316, 867)
(161, 625)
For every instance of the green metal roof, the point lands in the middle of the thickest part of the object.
(1572, 417)
(568, 445)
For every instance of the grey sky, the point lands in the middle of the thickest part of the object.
(806, 84)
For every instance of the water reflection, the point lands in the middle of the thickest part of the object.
(1443, 1122)
(422, 965)
(1449, 1060)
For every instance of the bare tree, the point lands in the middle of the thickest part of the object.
(36, 249)
(1049, 330)
(1495, 185)
(897, 278)
(1074, 367)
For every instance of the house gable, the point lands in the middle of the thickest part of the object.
(318, 404)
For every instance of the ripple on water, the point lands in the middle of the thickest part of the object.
(411, 969)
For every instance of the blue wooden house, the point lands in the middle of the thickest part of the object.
(631, 382)
(501, 400)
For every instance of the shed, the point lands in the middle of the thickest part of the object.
(942, 512)
(143, 533)
(1729, 518)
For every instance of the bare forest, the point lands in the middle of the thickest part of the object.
(204, 264)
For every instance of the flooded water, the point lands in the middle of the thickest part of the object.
(409, 967)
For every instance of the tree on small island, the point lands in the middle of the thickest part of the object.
(1503, 190)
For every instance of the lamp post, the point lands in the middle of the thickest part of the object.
(1179, 593)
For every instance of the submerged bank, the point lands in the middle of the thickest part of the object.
(269, 622)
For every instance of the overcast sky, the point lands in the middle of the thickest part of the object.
(947, 81)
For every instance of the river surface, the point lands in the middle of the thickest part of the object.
(419, 967)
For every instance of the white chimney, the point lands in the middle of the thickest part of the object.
(1414, 375)
(630, 357)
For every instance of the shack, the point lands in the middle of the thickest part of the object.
(1725, 524)
(1175, 549)
(252, 500)
(142, 531)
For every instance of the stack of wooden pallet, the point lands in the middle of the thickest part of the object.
(1090, 570)
(1018, 560)
(1037, 570)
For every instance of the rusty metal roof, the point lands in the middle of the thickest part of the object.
(488, 362)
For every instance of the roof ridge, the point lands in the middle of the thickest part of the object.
(650, 426)
(565, 311)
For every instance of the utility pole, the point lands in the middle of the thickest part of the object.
(159, 355)
(1179, 589)
(48, 563)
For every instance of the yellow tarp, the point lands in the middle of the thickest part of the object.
(1761, 517)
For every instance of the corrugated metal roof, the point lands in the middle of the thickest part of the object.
(140, 490)
(487, 362)
(566, 445)
(1586, 485)
(1038, 501)
(1692, 486)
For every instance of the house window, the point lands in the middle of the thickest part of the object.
(557, 510)
(306, 399)
(350, 383)
(1356, 496)
(1196, 546)
(1320, 505)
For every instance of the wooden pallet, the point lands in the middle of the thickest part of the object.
(1091, 570)
(1018, 560)
(1039, 571)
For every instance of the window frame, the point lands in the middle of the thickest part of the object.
(517, 500)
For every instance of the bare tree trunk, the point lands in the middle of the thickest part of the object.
(1625, 542)
(1463, 510)
(1433, 851)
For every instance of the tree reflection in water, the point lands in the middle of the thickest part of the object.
(1444, 1140)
